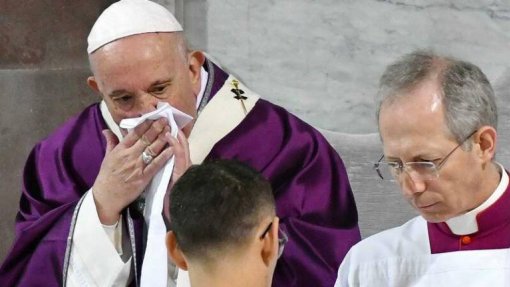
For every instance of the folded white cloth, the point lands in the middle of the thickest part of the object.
(154, 267)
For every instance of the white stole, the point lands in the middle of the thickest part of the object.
(154, 267)
(219, 117)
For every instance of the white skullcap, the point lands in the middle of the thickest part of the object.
(130, 17)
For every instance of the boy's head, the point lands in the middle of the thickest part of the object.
(222, 213)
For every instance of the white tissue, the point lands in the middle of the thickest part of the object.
(154, 267)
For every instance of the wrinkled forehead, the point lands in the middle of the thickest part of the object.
(413, 118)
(412, 111)
(137, 61)
(146, 45)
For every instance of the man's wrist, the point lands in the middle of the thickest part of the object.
(107, 215)
(108, 218)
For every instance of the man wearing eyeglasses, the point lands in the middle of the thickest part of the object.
(223, 224)
(437, 120)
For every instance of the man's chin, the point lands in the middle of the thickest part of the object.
(432, 212)
(434, 218)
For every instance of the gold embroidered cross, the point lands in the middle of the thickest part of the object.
(239, 94)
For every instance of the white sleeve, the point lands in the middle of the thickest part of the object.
(114, 233)
(344, 272)
(95, 259)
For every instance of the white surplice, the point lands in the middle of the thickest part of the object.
(402, 256)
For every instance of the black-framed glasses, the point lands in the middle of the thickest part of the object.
(282, 238)
(418, 170)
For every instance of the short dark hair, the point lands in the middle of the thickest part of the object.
(217, 205)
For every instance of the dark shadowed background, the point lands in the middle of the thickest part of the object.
(43, 72)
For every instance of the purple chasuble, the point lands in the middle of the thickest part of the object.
(493, 230)
(313, 196)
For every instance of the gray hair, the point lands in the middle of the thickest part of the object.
(182, 45)
(467, 95)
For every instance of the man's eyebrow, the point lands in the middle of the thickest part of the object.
(122, 92)
(118, 93)
(414, 157)
(160, 82)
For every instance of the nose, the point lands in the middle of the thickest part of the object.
(412, 183)
(146, 103)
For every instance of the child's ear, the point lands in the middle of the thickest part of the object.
(175, 252)
(269, 250)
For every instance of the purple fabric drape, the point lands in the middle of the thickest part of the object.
(313, 195)
(59, 170)
(312, 191)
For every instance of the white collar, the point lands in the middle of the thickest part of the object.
(204, 77)
(467, 223)
(107, 116)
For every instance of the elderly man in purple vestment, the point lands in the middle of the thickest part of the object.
(437, 120)
(83, 217)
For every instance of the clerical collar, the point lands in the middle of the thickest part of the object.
(204, 77)
(466, 223)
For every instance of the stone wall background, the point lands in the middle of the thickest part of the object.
(322, 59)
(43, 73)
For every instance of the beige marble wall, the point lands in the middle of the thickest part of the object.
(322, 59)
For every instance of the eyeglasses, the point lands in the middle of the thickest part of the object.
(282, 238)
(418, 170)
